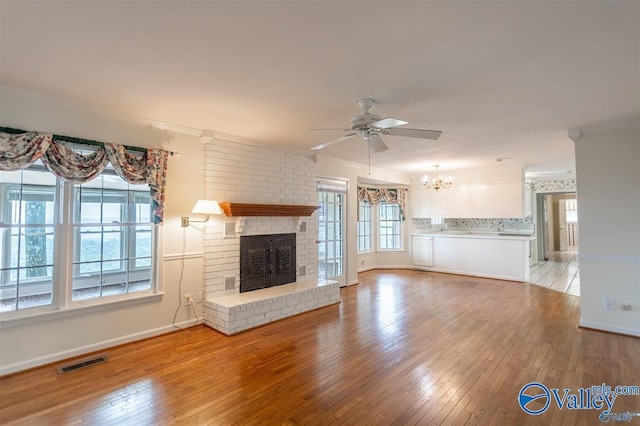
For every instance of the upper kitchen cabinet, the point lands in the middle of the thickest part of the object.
(480, 193)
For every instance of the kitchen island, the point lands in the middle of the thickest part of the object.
(482, 254)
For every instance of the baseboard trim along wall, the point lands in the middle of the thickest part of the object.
(83, 350)
(609, 328)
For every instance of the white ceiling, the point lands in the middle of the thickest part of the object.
(499, 78)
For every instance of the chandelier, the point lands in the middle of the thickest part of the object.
(438, 182)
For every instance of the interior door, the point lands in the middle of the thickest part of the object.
(563, 240)
(543, 226)
(332, 196)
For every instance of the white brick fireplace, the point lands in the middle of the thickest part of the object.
(242, 173)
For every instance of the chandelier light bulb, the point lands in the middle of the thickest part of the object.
(438, 181)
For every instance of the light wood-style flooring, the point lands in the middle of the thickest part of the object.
(560, 272)
(403, 347)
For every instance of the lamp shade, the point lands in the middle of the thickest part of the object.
(207, 207)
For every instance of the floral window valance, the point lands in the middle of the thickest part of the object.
(19, 151)
(375, 196)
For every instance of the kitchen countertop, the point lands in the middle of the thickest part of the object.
(506, 235)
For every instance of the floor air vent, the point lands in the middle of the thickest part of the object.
(98, 359)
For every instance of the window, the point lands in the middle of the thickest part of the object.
(389, 229)
(364, 227)
(27, 238)
(112, 238)
(62, 243)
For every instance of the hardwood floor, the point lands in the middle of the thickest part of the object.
(403, 347)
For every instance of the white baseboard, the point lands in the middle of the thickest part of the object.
(454, 272)
(445, 271)
(386, 267)
(354, 282)
(59, 356)
(610, 328)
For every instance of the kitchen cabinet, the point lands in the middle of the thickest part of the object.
(422, 250)
(495, 192)
(488, 255)
(498, 200)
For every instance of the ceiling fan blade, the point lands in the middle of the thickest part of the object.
(388, 122)
(377, 144)
(326, 144)
(414, 133)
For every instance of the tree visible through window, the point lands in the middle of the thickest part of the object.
(35, 239)
(111, 248)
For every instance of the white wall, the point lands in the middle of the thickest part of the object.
(495, 192)
(29, 345)
(608, 182)
(334, 168)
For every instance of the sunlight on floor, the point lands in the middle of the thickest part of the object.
(560, 272)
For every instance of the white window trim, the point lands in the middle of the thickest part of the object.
(371, 232)
(377, 234)
(40, 316)
(62, 305)
(89, 306)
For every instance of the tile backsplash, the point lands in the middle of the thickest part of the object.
(489, 223)
(475, 223)
(421, 222)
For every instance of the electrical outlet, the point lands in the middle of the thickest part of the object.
(199, 297)
(184, 221)
(187, 299)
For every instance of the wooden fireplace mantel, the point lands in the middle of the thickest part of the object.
(243, 209)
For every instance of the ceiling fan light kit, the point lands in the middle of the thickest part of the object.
(371, 126)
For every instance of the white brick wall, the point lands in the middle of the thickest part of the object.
(234, 313)
(241, 173)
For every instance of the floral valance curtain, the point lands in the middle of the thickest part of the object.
(19, 151)
(375, 196)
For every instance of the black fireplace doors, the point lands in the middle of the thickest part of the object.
(267, 261)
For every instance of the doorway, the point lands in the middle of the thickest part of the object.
(557, 223)
(332, 196)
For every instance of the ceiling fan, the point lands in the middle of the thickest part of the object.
(371, 126)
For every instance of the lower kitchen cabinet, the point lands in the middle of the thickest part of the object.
(422, 250)
(481, 255)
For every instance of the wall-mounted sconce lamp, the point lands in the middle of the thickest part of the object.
(203, 207)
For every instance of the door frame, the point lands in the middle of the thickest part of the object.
(344, 189)
(541, 225)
